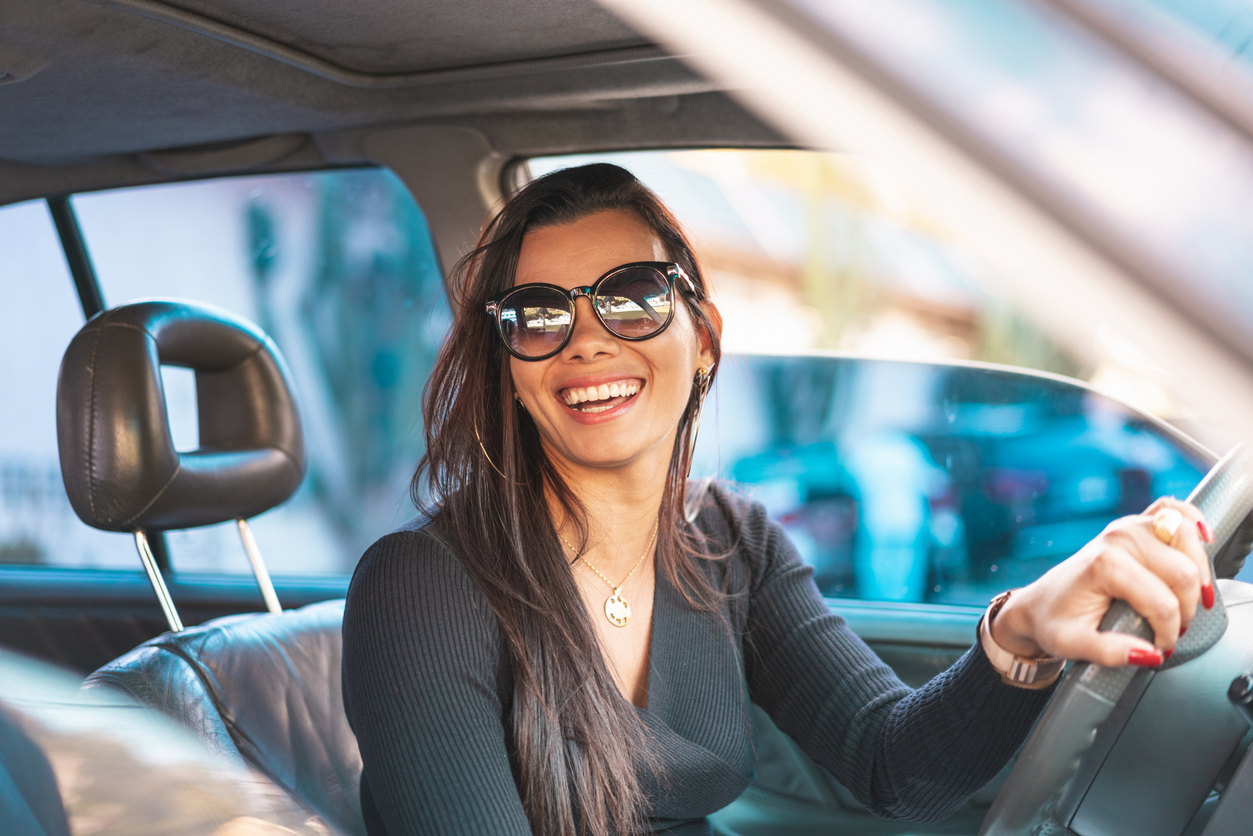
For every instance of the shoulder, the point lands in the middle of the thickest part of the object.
(719, 506)
(415, 552)
(737, 524)
(420, 642)
(413, 577)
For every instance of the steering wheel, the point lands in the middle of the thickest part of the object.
(1034, 799)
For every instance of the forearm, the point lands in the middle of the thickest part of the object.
(947, 739)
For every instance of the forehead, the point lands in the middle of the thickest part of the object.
(577, 253)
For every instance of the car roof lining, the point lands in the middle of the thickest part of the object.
(372, 54)
(81, 81)
(397, 39)
(697, 120)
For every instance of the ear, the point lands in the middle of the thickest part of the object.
(706, 342)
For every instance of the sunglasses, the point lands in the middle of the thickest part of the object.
(634, 302)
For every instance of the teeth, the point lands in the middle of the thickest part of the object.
(617, 389)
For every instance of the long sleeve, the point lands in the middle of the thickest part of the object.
(423, 686)
(904, 754)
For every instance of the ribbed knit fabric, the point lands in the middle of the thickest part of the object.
(427, 689)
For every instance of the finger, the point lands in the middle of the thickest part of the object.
(1120, 575)
(1176, 566)
(1113, 650)
(1190, 512)
(1191, 539)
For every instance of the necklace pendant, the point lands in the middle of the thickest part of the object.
(617, 610)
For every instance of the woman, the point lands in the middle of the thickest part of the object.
(570, 645)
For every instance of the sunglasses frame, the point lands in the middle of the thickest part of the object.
(668, 269)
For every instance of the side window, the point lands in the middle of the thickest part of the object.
(339, 269)
(908, 481)
(40, 314)
(915, 476)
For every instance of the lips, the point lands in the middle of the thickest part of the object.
(601, 398)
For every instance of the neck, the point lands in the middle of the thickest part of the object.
(622, 505)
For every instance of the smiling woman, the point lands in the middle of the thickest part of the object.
(487, 693)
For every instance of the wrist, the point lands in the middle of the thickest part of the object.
(1016, 666)
(1012, 627)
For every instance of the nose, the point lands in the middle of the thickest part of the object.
(590, 340)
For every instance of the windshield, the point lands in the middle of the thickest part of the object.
(1166, 183)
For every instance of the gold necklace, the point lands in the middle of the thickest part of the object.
(617, 610)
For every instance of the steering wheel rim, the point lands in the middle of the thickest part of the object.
(1034, 799)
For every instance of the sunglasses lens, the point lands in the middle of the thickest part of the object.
(534, 321)
(635, 302)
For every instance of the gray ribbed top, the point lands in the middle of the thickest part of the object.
(427, 689)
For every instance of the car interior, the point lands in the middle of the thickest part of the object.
(168, 403)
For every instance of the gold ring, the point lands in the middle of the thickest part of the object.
(1166, 524)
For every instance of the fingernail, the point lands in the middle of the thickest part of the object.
(1206, 534)
(1207, 595)
(1144, 658)
(1168, 652)
(1183, 629)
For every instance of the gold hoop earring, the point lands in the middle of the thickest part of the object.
(483, 448)
(522, 404)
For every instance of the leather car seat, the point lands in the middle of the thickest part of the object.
(262, 690)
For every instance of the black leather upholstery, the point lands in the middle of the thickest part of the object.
(118, 460)
(259, 689)
(262, 687)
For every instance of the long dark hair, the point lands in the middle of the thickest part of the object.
(581, 750)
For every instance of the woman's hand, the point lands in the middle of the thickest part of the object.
(1058, 615)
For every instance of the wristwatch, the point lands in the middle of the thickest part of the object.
(1015, 670)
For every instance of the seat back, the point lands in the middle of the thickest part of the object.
(261, 688)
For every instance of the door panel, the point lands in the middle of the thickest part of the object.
(792, 795)
(81, 619)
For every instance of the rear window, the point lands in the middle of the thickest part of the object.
(337, 267)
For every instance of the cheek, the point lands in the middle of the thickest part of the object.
(675, 364)
(525, 377)
(681, 344)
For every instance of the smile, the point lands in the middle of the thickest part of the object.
(600, 398)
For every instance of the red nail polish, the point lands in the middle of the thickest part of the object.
(1207, 595)
(1167, 653)
(1183, 629)
(1206, 534)
(1144, 658)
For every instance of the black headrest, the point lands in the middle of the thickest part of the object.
(118, 460)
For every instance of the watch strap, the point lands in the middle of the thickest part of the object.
(1015, 670)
